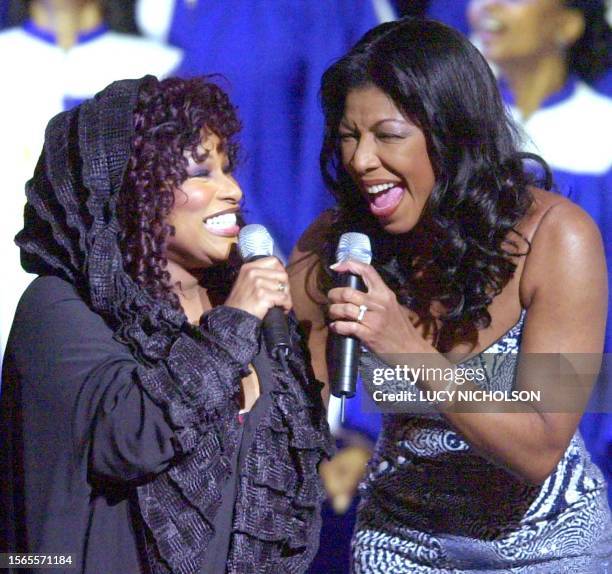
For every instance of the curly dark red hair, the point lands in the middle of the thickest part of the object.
(168, 119)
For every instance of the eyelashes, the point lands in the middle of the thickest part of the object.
(389, 136)
(201, 173)
(227, 170)
(380, 136)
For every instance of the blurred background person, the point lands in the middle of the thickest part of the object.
(454, 13)
(451, 12)
(63, 52)
(548, 54)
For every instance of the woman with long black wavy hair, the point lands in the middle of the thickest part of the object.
(469, 259)
(143, 426)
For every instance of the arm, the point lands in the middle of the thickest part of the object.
(209, 366)
(81, 390)
(564, 289)
(78, 387)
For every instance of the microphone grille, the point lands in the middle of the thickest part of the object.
(354, 246)
(255, 241)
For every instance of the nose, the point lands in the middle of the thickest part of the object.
(365, 157)
(229, 190)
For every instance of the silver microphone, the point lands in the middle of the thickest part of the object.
(254, 242)
(345, 350)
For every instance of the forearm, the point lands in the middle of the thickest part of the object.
(521, 442)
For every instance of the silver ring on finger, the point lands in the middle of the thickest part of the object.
(282, 287)
(362, 311)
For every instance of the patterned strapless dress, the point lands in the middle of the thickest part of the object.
(430, 504)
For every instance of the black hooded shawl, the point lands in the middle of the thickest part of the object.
(71, 231)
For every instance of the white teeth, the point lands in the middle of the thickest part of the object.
(381, 187)
(490, 25)
(222, 221)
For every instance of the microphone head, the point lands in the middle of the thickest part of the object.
(255, 241)
(355, 246)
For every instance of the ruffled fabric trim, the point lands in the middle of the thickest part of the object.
(277, 513)
(277, 521)
(179, 506)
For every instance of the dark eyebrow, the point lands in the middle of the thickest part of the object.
(393, 120)
(401, 122)
(344, 124)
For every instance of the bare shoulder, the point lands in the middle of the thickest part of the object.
(306, 265)
(564, 239)
(558, 222)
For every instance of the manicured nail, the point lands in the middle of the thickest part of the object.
(335, 265)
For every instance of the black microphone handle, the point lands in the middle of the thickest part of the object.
(276, 331)
(275, 327)
(345, 350)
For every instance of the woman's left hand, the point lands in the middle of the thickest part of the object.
(384, 326)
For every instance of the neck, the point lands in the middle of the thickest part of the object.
(66, 18)
(192, 296)
(533, 81)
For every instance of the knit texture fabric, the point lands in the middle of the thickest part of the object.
(71, 230)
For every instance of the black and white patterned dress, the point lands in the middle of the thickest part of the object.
(430, 504)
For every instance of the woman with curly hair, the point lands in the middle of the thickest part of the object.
(143, 426)
(469, 258)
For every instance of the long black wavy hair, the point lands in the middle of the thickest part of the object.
(590, 56)
(168, 119)
(461, 252)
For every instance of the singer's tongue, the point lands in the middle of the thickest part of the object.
(384, 203)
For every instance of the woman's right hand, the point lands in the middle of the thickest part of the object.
(261, 285)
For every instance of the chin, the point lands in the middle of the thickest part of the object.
(397, 227)
(220, 251)
(398, 224)
(498, 55)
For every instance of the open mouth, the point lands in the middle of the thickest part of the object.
(489, 26)
(384, 198)
(224, 225)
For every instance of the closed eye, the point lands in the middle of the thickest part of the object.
(200, 173)
(390, 136)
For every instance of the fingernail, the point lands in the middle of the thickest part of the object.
(333, 266)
